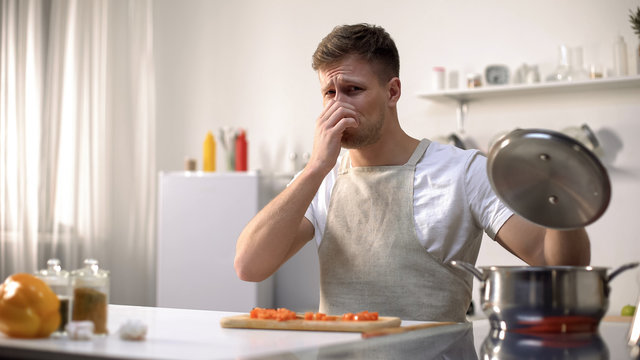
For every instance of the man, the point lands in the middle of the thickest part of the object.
(394, 211)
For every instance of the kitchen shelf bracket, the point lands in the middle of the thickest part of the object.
(461, 114)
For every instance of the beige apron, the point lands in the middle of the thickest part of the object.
(370, 256)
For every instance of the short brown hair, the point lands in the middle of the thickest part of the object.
(370, 42)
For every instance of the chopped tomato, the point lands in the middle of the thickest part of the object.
(366, 316)
(361, 316)
(283, 314)
(348, 317)
(254, 313)
(280, 314)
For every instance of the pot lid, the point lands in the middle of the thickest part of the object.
(548, 178)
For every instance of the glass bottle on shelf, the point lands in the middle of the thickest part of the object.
(577, 70)
(620, 57)
(59, 281)
(563, 70)
(91, 295)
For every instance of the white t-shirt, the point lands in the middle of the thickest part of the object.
(453, 202)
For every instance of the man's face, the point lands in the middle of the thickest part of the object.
(353, 81)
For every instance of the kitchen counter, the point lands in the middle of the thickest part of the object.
(196, 334)
(173, 334)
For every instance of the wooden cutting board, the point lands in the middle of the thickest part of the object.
(246, 322)
(617, 318)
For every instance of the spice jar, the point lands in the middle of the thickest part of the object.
(59, 281)
(91, 295)
(474, 80)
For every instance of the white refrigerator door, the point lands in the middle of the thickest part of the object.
(200, 216)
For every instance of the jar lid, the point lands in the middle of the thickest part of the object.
(90, 269)
(54, 269)
(53, 274)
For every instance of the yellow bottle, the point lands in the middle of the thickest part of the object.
(209, 153)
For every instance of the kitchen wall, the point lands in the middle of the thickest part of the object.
(247, 64)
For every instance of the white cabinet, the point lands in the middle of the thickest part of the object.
(200, 216)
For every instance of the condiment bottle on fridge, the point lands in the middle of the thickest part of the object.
(241, 151)
(209, 153)
(59, 281)
(91, 295)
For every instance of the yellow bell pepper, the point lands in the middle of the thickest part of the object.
(28, 307)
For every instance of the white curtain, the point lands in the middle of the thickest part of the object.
(77, 159)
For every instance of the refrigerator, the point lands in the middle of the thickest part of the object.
(200, 216)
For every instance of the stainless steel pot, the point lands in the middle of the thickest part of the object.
(556, 299)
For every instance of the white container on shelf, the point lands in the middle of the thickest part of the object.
(200, 216)
(438, 82)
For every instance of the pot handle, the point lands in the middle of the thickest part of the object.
(469, 268)
(622, 268)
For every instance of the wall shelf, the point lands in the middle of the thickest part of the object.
(491, 91)
(464, 96)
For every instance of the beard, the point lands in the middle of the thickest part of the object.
(363, 135)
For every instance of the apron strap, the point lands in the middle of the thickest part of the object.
(419, 152)
(345, 164)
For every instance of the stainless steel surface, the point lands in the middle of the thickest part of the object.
(470, 268)
(456, 141)
(621, 269)
(501, 345)
(549, 178)
(477, 341)
(593, 140)
(546, 298)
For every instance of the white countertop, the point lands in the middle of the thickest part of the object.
(196, 334)
(178, 334)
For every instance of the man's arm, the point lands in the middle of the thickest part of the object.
(539, 246)
(277, 232)
(280, 229)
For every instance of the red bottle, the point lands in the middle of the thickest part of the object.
(241, 151)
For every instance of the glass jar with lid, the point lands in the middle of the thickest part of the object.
(91, 295)
(59, 281)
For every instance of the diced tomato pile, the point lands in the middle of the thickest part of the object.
(282, 314)
(361, 316)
